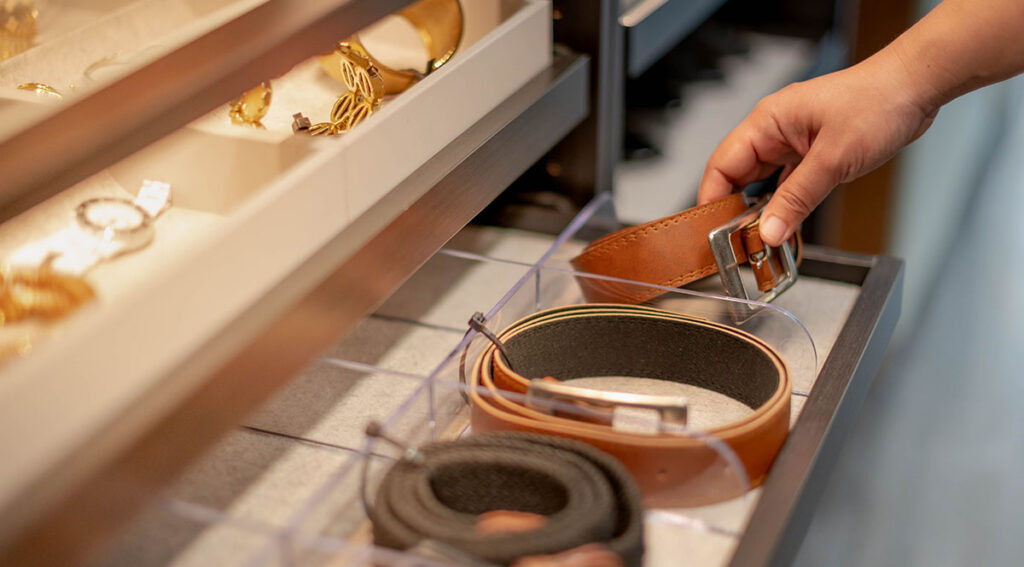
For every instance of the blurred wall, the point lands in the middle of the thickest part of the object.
(936, 177)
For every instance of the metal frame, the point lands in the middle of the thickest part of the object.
(303, 315)
(586, 159)
(654, 26)
(795, 483)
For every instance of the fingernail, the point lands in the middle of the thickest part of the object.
(773, 230)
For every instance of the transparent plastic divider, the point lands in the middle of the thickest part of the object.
(437, 409)
(770, 328)
(332, 525)
(239, 504)
(552, 287)
(448, 289)
(186, 533)
(334, 529)
(556, 286)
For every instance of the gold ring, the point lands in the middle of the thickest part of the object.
(41, 89)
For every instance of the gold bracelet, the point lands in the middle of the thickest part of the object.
(350, 109)
(440, 26)
(40, 292)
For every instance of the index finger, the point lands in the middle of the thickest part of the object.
(752, 151)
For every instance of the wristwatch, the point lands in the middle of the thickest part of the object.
(120, 226)
(103, 228)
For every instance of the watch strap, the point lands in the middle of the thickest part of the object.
(154, 197)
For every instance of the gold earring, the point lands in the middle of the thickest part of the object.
(252, 106)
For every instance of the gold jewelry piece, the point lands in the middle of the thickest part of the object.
(17, 347)
(40, 292)
(350, 109)
(252, 106)
(41, 89)
(18, 29)
(439, 23)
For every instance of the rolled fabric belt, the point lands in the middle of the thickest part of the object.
(585, 495)
(555, 346)
(673, 251)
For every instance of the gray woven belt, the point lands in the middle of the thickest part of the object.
(585, 495)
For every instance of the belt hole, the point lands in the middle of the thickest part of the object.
(662, 475)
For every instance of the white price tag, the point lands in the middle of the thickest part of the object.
(154, 197)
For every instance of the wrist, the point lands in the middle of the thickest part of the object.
(907, 84)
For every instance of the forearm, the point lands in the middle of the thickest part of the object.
(835, 128)
(960, 46)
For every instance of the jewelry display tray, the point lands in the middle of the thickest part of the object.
(286, 487)
(171, 317)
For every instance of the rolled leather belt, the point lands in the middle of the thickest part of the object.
(585, 495)
(680, 249)
(562, 344)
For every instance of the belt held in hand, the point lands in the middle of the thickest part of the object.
(547, 350)
(714, 238)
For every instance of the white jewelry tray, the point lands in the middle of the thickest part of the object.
(227, 241)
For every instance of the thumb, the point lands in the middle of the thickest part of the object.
(803, 190)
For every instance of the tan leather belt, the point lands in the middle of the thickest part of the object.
(548, 349)
(685, 247)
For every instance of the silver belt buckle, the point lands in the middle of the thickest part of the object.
(544, 395)
(729, 269)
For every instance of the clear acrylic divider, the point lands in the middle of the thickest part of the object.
(331, 521)
(240, 504)
(556, 287)
(173, 531)
(709, 510)
(698, 520)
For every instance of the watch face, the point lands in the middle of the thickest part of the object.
(119, 224)
(121, 216)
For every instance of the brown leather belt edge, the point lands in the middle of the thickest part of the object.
(624, 340)
(674, 251)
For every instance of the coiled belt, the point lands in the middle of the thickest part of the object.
(585, 495)
(635, 341)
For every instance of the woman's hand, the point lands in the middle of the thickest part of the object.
(823, 132)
